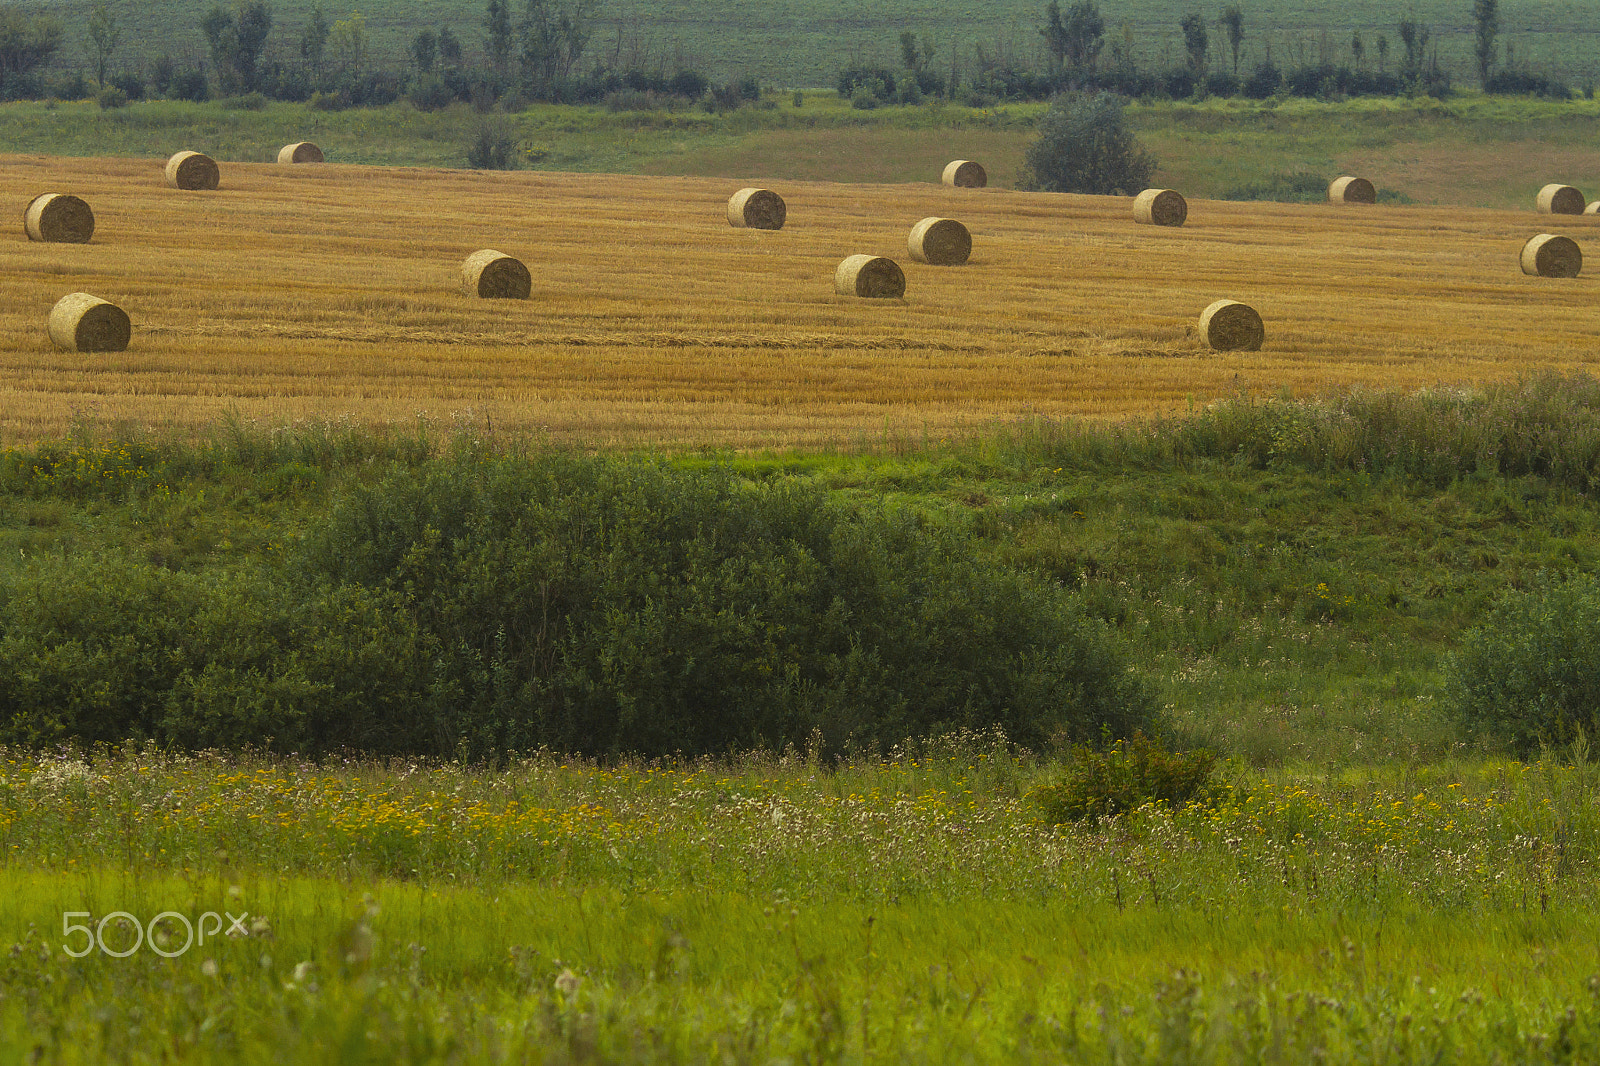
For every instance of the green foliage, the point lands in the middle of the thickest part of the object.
(607, 606)
(106, 649)
(1084, 145)
(110, 98)
(1529, 674)
(493, 145)
(1298, 187)
(1124, 776)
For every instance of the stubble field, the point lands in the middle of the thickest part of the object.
(326, 292)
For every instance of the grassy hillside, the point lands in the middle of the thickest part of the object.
(805, 42)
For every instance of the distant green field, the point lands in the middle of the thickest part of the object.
(804, 42)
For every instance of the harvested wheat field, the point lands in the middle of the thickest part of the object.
(333, 292)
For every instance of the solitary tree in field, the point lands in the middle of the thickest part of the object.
(103, 35)
(1195, 42)
(1233, 22)
(1085, 145)
(1486, 16)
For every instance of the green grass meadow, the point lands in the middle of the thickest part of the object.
(1469, 151)
(1373, 880)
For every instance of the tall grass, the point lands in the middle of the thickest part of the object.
(771, 908)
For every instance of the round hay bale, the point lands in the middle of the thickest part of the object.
(939, 242)
(1230, 326)
(300, 152)
(59, 218)
(192, 170)
(869, 275)
(965, 174)
(495, 276)
(1560, 200)
(1593, 209)
(1160, 207)
(1550, 256)
(756, 209)
(1351, 191)
(83, 323)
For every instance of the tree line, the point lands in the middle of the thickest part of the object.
(545, 50)
(538, 50)
(1079, 55)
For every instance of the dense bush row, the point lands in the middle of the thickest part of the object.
(474, 606)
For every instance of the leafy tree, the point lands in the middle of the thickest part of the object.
(1233, 22)
(236, 39)
(1074, 39)
(1414, 38)
(1486, 16)
(449, 48)
(103, 36)
(1357, 49)
(915, 57)
(1383, 51)
(314, 40)
(349, 40)
(1195, 42)
(553, 41)
(27, 42)
(425, 50)
(497, 20)
(1084, 145)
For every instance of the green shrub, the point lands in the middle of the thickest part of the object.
(110, 98)
(1126, 775)
(1084, 145)
(1529, 674)
(107, 649)
(603, 606)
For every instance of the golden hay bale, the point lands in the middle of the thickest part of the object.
(1160, 207)
(495, 276)
(300, 152)
(756, 209)
(965, 174)
(871, 276)
(1351, 191)
(1593, 209)
(1560, 200)
(939, 242)
(1550, 256)
(1230, 326)
(192, 170)
(83, 323)
(59, 218)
